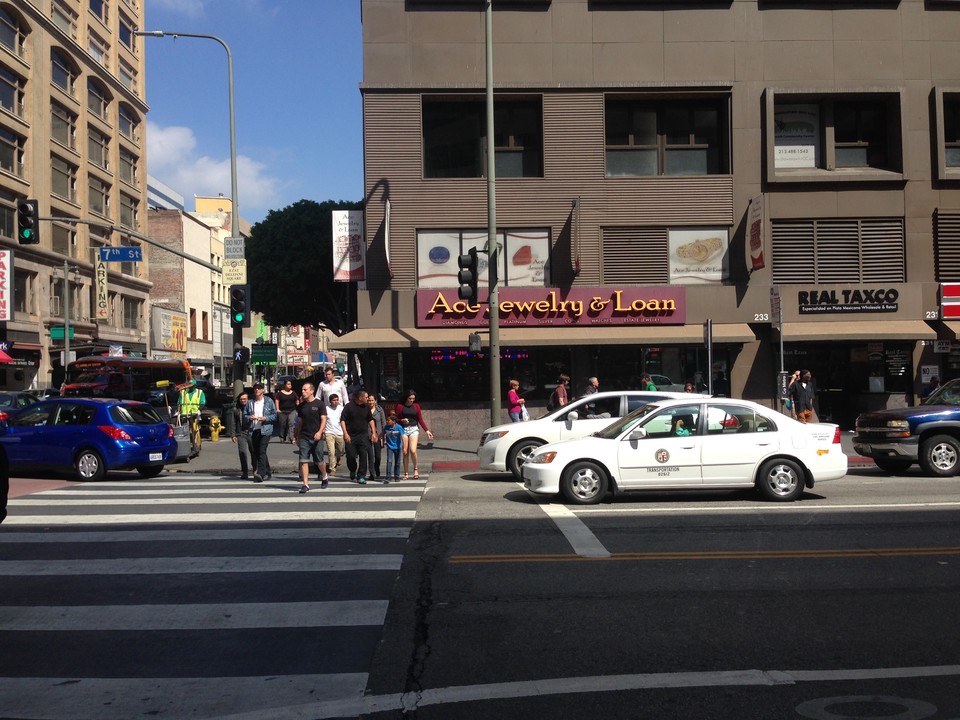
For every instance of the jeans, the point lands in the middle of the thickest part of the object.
(515, 416)
(373, 460)
(260, 444)
(245, 450)
(393, 462)
(357, 451)
(288, 421)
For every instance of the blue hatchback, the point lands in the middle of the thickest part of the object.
(88, 437)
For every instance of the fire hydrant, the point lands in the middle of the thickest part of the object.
(215, 426)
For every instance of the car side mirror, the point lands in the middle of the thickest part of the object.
(638, 434)
(573, 415)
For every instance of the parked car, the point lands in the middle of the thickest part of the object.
(10, 402)
(88, 437)
(704, 444)
(45, 393)
(928, 434)
(504, 448)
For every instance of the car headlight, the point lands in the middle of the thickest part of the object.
(490, 437)
(543, 458)
(898, 424)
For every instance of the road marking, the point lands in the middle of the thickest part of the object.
(66, 500)
(580, 537)
(373, 488)
(264, 534)
(711, 555)
(805, 506)
(189, 517)
(410, 702)
(213, 564)
(213, 616)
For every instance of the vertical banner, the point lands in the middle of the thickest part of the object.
(755, 232)
(348, 248)
(103, 300)
(6, 285)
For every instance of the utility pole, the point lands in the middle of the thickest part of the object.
(493, 253)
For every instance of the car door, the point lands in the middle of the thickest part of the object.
(69, 428)
(26, 437)
(592, 414)
(667, 456)
(737, 439)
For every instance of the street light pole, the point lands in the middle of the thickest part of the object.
(493, 253)
(238, 366)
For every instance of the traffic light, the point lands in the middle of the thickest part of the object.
(28, 223)
(241, 354)
(240, 306)
(468, 275)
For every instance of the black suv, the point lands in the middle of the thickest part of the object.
(928, 434)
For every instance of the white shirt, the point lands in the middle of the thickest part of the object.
(258, 412)
(333, 419)
(337, 388)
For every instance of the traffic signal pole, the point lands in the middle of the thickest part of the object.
(492, 251)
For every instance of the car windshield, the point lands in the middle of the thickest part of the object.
(134, 415)
(946, 394)
(92, 378)
(617, 428)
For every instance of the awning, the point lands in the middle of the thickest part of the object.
(858, 330)
(396, 338)
(4, 358)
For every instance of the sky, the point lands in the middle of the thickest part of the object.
(297, 67)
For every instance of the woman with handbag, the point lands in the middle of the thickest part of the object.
(515, 403)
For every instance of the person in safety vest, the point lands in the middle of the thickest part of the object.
(191, 399)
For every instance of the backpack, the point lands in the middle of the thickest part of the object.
(554, 402)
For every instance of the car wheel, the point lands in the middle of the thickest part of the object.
(893, 466)
(781, 480)
(940, 455)
(584, 483)
(90, 465)
(149, 471)
(520, 453)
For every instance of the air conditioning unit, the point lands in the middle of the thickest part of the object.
(55, 305)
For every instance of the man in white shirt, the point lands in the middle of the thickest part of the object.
(332, 385)
(334, 434)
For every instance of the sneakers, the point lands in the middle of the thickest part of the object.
(304, 488)
(257, 478)
(362, 480)
(324, 483)
(396, 478)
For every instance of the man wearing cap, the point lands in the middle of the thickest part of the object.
(192, 400)
(260, 414)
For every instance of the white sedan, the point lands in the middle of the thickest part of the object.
(713, 444)
(506, 447)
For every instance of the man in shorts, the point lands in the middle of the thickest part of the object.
(309, 436)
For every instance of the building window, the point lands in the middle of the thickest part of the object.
(838, 250)
(128, 211)
(63, 239)
(64, 179)
(99, 9)
(97, 99)
(99, 197)
(127, 28)
(63, 126)
(8, 214)
(193, 323)
(98, 48)
(128, 167)
(98, 148)
(62, 71)
(131, 313)
(128, 77)
(11, 34)
(11, 92)
(834, 136)
(23, 297)
(129, 268)
(454, 137)
(676, 136)
(11, 152)
(205, 324)
(951, 130)
(128, 123)
(64, 18)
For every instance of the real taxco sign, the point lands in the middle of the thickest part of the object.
(579, 307)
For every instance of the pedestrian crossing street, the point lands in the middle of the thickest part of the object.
(188, 596)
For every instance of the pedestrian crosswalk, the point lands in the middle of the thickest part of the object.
(192, 596)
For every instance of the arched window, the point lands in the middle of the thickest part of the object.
(63, 71)
(129, 122)
(11, 32)
(98, 99)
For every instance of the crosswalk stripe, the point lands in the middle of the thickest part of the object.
(287, 497)
(215, 616)
(207, 565)
(379, 489)
(210, 534)
(190, 517)
(212, 481)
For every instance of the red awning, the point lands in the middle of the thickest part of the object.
(4, 358)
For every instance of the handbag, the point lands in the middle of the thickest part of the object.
(524, 415)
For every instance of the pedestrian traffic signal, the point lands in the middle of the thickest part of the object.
(241, 355)
(28, 222)
(468, 275)
(240, 306)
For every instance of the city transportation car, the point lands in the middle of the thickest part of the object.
(10, 402)
(928, 434)
(504, 448)
(88, 437)
(708, 444)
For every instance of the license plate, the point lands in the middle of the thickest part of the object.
(154, 457)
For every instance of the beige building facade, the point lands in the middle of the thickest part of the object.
(72, 122)
(786, 171)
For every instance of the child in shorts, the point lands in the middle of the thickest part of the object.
(392, 434)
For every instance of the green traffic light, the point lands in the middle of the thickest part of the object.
(238, 317)
(26, 233)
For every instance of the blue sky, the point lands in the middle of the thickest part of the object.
(297, 66)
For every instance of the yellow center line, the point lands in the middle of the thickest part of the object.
(709, 555)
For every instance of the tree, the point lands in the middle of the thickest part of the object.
(290, 268)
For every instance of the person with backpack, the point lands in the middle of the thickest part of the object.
(560, 396)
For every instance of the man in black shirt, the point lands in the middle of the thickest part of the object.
(358, 432)
(309, 436)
